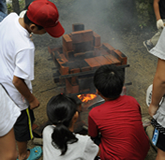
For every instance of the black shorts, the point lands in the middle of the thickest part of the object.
(159, 139)
(23, 126)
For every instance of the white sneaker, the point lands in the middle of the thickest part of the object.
(148, 44)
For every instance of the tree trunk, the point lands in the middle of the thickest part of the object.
(15, 4)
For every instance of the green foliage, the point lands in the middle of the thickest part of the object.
(145, 13)
(22, 4)
(10, 7)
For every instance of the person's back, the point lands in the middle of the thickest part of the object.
(77, 151)
(59, 141)
(120, 125)
(118, 119)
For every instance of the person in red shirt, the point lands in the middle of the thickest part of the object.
(118, 119)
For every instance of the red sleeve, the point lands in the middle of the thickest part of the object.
(92, 127)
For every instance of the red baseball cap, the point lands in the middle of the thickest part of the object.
(44, 13)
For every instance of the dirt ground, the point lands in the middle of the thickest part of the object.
(121, 33)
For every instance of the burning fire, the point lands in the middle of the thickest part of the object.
(86, 97)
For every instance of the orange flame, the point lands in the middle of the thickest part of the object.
(86, 97)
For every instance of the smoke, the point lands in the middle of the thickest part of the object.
(108, 18)
(111, 19)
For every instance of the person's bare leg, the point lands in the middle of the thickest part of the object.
(22, 148)
(8, 149)
(160, 155)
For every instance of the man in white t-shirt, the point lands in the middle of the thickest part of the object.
(17, 65)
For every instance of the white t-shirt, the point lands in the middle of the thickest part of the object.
(83, 149)
(159, 49)
(16, 57)
(9, 112)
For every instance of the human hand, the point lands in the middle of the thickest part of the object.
(34, 104)
(152, 109)
(160, 24)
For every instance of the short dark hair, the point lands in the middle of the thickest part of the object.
(60, 111)
(28, 22)
(109, 80)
